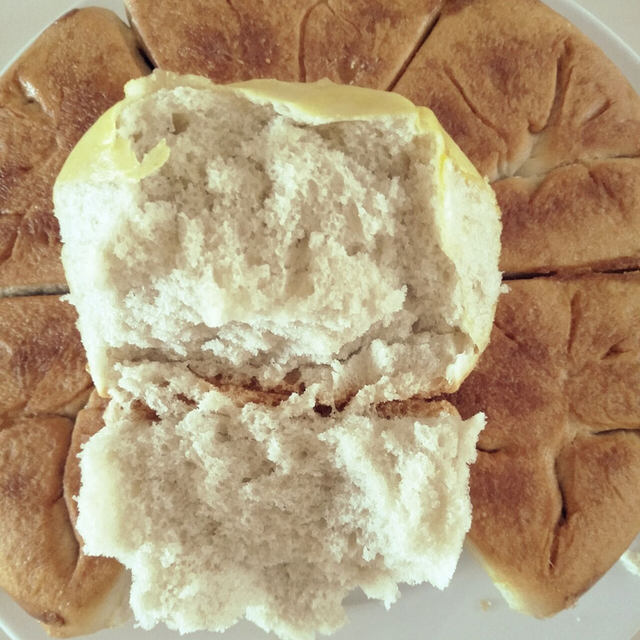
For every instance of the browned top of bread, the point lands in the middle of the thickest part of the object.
(41, 565)
(48, 99)
(555, 488)
(42, 362)
(545, 115)
(363, 42)
(43, 383)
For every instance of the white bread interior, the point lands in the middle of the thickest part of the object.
(274, 514)
(257, 233)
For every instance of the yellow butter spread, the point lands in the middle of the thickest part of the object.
(102, 155)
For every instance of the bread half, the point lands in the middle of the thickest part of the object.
(273, 232)
(224, 510)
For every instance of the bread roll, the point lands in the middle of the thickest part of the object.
(541, 111)
(220, 240)
(42, 363)
(360, 42)
(224, 511)
(48, 99)
(43, 384)
(555, 487)
(271, 231)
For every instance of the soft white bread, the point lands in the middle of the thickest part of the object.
(224, 511)
(271, 230)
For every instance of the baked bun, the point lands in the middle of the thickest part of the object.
(266, 230)
(541, 111)
(270, 513)
(43, 383)
(48, 99)
(555, 487)
(42, 363)
(360, 42)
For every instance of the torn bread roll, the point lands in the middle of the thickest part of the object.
(225, 243)
(224, 511)
(277, 232)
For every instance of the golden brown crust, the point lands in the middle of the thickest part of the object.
(571, 219)
(538, 107)
(37, 546)
(43, 373)
(225, 41)
(42, 362)
(554, 490)
(73, 72)
(41, 566)
(361, 42)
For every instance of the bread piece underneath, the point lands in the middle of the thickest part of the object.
(224, 511)
(263, 230)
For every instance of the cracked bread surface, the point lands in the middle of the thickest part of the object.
(360, 42)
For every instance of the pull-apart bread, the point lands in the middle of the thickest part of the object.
(48, 99)
(538, 109)
(224, 241)
(361, 42)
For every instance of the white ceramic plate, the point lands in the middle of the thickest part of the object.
(471, 607)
